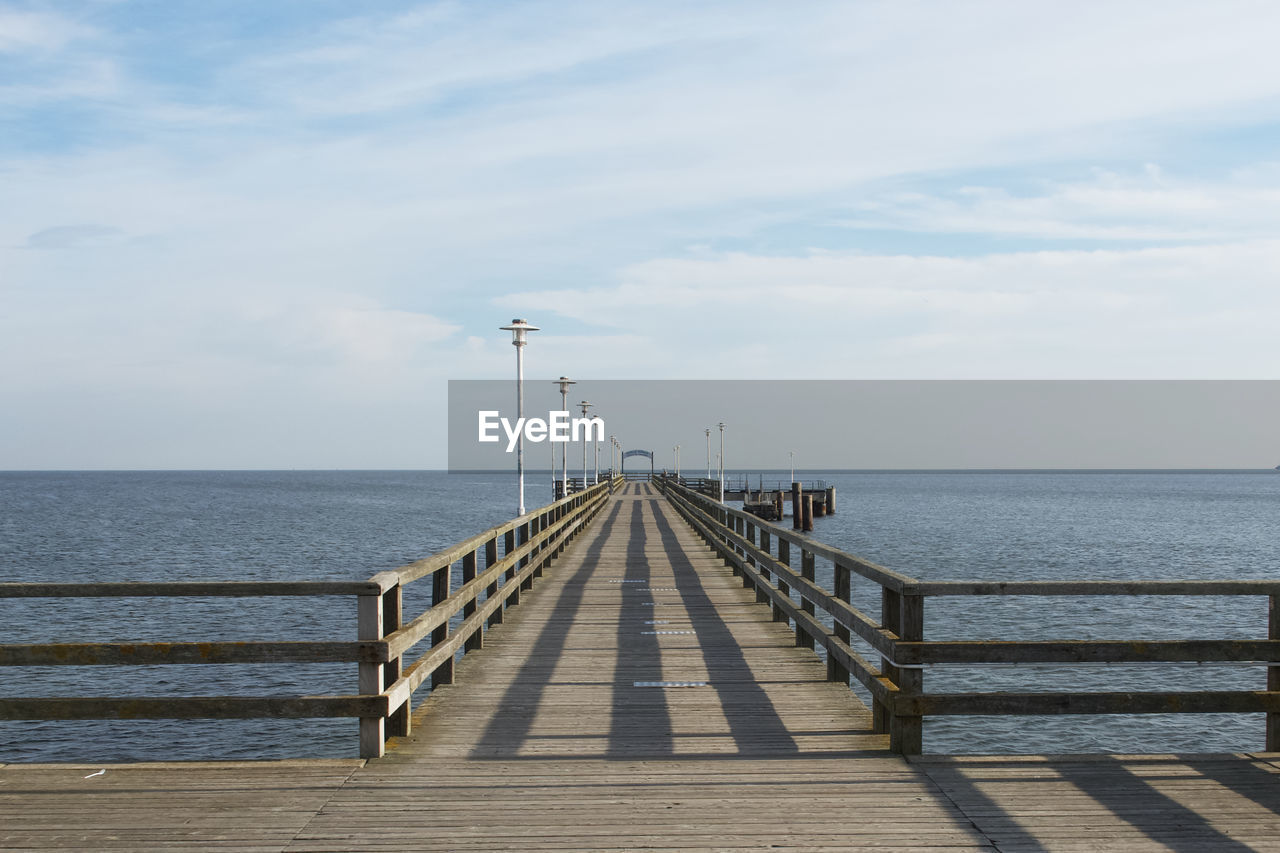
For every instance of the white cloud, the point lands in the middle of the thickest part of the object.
(1151, 206)
(1200, 311)
(25, 31)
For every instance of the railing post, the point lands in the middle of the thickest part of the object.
(490, 558)
(842, 578)
(440, 583)
(766, 545)
(369, 627)
(780, 615)
(906, 732)
(523, 537)
(1273, 673)
(890, 620)
(806, 572)
(476, 640)
(509, 543)
(398, 723)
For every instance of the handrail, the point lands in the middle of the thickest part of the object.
(899, 701)
(529, 544)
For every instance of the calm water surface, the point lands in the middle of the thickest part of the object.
(149, 526)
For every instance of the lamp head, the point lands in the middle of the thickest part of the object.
(564, 382)
(519, 329)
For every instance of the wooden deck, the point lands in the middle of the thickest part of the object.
(546, 742)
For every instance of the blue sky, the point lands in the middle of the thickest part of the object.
(237, 234)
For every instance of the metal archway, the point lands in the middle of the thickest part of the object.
(626, 453)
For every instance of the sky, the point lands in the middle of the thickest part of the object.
(266, 235)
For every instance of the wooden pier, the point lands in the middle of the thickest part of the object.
(649, 691)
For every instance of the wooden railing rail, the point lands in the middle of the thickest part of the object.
(385, 685)
(897, 686)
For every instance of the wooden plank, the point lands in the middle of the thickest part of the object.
(1084, 651)
(117, 654)
(189, 707)
(1101, 587)
(1115, 702)
(183, 589)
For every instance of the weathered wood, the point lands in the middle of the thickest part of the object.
(439, 594)
(188, 589)
(1099, 587)
(125, 654)
(399, 717)
(476, 640)
(1085, 651)
(369, 627)
(1273, 674)
(906, 730)
(807, 508)
(1112, 702)
(191, 707)
(797, 510)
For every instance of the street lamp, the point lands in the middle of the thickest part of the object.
(677, 449)
(595, 466)
(708, 431)
(564, 382)
(793, 465)
(519, 330)
(613, 466)
(585, 405)
(722, 462)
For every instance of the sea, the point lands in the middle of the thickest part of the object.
(348, 525)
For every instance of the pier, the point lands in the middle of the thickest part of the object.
(638, 666)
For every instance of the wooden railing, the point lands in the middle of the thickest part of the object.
(386, 683)
(783, 575)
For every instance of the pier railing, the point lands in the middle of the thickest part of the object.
(514, 555)
(779, 564)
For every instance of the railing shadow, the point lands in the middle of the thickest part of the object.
(508, 728)
(753, 721)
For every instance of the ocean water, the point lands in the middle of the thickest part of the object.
(148, 526)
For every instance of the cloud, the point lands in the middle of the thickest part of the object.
(1196, 311)
(37, 32)
(71, 237)
(1149, 206)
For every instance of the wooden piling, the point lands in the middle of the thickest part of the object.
(797, 513)
(808, 512)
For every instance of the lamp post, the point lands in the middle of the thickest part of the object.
(708, 431)
(585, 405)
(677, 449)
(595, 466)
(564, 382)
(613, 467)
(793, 465)
(519, 330)
(722, 462)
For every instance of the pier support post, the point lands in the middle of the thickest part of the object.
(808, 512)
(797, 512)
(1273, 673)
(831, 500)
(842, 579)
